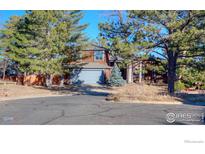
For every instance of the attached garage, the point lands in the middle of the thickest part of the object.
(91, 76)
(92, 73)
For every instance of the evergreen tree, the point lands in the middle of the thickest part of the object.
(10, 42)
(115, 38)
(116, 77)
(171, 34)
(192, 72)
(45, 41)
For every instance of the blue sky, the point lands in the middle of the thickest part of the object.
(90, 17)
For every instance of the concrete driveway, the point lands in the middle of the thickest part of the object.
(90, 109)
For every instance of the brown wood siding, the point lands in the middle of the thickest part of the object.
(88, 57)
(107, 73)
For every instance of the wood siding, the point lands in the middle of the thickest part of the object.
(88, 57)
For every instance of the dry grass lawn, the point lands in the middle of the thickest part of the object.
(12, 91)
(150, 94)
(133, 93)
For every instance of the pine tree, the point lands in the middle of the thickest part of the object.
(192, 72)
(45, 41)
(171, 34)
(115, 38)
(13, 46)
(116, 77)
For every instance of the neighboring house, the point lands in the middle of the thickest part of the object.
(95, 67)
(150, 70)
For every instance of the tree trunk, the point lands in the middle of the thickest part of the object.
(4, 73)
(171, 71)
(4, 69)
(49, 80)
(61, 82)
(140, 73)
(25, 81)
(129, 74)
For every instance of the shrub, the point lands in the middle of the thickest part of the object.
(116, 77)
(178, 86)
(203, 87)
(191, 76)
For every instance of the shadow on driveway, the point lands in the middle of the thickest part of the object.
(92, 90)
(192, 99)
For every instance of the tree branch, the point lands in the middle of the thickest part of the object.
(198, 55)
(160, 54)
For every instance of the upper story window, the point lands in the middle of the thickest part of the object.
(98, 55)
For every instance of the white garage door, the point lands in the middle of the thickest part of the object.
(90, 76)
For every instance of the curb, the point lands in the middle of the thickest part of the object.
(30, 97)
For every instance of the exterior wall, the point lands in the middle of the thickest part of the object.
(107, 57)
(10, 78)
(39, 80)
(88, 57)
(34, 80)
(107, 73)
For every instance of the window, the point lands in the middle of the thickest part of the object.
(99, 55)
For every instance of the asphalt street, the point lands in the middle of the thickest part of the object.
(90, 109)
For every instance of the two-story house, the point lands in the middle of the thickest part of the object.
(95, 67)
